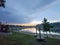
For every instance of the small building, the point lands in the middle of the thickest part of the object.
(4, 28)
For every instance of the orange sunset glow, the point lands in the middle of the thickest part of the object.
(33, 23)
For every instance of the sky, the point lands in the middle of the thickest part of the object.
(30, 11)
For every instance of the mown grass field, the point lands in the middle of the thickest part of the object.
(24, 39)
(52, 41)
(17, 39)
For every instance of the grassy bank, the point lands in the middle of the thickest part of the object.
(24, 39)
(53, 41)
(17, 39)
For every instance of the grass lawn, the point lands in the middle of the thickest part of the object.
(53, 41)
(24, 39)
(17, 39)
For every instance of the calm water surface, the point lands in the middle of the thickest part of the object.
(34, 31)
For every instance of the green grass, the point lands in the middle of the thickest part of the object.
(24, 39)
(17, 39)
(53, 41)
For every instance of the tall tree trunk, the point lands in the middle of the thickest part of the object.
(36, 32)
(47, 33)
(40, 34)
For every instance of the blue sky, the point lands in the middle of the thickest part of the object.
(26, 11)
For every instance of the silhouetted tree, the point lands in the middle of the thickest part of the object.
(2, 3)
(38, 28)
(46, 25)
(39, 32)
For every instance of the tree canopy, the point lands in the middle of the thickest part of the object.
(46, 25)
(2, 3)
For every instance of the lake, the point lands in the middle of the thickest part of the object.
(33, 30)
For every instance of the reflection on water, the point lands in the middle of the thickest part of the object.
(30, 29)
(34, 31)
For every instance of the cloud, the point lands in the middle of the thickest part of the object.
(36, 15)
(23, 11)
(27, 7)
(45, 7)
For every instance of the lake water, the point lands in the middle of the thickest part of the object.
(30, 30)
(33, 30)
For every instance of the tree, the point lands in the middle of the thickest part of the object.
(39, 32)
(36, 30)
(39, 29)
(46, 25)
(2, 3)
